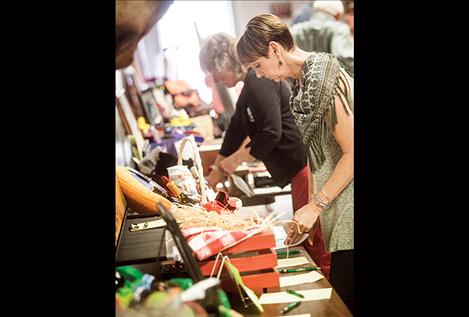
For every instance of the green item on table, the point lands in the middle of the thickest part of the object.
(290, 291)
(301, 269)
(290, 307)
(129, 272)
(182, 282)
(225, 302)
(125, 296)
(289, 252)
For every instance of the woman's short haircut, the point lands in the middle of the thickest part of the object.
(260, 31)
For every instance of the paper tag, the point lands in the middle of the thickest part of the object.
(280, 235)
(284, 297)
(253, 298)
(292, 262)
(234, 273)
(299, 279)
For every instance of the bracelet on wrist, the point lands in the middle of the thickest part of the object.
(328, 201)
(319, 202)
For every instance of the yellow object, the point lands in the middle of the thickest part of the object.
(180, 121)
(142, 125)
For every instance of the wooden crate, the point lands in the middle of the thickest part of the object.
(256, 281)
(255, 260)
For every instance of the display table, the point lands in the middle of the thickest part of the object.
(140, 250)
(317, 308)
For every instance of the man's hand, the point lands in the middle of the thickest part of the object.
(230, 164)
(214, 178)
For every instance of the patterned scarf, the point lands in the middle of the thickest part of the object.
(312, 103)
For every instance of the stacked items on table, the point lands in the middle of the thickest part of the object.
(162, 114)
(139, 294)
(211, 224)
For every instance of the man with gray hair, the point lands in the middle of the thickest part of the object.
(324, 32)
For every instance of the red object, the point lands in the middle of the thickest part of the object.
(224, 200)
(256, 282)
(206, 242)
(255, 260)
(221, 204)
(317, 251)
(263, 240)
(189, 132)
(165, 181)
(214, 206)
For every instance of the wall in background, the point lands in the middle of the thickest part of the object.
(243, 11)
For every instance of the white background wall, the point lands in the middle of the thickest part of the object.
(176, 29)
(243, 11)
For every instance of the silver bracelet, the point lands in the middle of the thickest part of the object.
(319, 202)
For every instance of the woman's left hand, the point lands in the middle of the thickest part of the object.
(229, 164)
(306, 217)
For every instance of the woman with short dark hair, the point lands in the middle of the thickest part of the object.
(262, 117)
(322, 104)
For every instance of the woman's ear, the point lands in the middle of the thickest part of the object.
(275, 48)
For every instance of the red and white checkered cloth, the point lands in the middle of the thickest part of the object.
(206, 242)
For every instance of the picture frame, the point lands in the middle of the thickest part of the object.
(150, 107)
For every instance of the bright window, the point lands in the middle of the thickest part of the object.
(177, 34)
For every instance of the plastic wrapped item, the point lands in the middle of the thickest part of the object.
(182, 177)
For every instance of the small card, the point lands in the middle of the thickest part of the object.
(284, 297)
(292, 262)
(239, 281)
(280, 236)
(299, 279)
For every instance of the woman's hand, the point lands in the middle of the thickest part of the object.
(306, 217)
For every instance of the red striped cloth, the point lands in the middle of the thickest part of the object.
(206, 242)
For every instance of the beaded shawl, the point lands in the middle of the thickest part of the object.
(313, 102)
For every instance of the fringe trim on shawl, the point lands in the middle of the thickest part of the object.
(324, 120)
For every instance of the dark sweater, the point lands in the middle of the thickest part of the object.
(263, 113)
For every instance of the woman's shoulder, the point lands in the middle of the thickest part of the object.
(317, 66)
(318, 59)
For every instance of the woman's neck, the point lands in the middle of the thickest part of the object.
(295, 61)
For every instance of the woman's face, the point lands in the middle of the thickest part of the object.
(269, 67)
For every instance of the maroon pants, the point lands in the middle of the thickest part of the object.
(317, 251)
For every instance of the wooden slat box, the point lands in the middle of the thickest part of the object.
(255, 260)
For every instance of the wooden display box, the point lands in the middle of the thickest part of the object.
(257, 281)
(255, 260)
